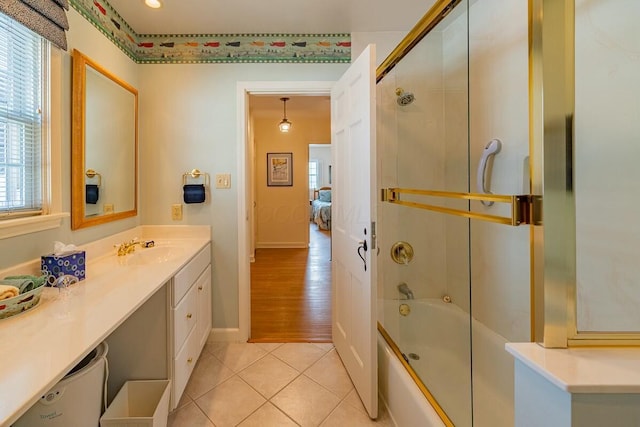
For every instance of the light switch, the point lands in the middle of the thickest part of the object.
(223, 180)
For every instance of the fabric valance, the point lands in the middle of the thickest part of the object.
(45, 17)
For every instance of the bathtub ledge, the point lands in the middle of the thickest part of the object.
(583, 370)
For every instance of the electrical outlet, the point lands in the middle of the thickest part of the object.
(108, 208)
(223, 180)
(176, 212)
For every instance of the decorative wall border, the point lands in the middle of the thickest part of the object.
(213, 48)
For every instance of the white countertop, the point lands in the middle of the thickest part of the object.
(40, 346)
(583, 369)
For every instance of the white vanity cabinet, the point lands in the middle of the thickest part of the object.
(189, 319)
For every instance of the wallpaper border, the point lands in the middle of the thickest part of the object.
(213, 48)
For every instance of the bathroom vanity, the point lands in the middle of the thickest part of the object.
(153, 308)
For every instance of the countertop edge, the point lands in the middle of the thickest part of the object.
(594, 370)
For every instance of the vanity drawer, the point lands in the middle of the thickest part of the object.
(183, 280)
(184, 363)
(184, 318)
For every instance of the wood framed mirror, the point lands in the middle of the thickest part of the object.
(104, 146)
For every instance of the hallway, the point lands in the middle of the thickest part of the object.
(291, 292)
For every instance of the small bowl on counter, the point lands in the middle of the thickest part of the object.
(20, 303)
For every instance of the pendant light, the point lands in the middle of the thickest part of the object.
(285, 125)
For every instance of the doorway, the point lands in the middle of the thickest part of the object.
(295, 250)
(291, 292)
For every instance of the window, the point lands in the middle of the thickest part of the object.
(23, 67)
(314, 171)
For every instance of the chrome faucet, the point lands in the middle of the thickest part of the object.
(403, 288)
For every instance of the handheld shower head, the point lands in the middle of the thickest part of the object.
(404, 98)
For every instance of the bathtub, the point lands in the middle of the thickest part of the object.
(436, 334)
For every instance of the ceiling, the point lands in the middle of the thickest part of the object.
(270, 107)
(272, 16)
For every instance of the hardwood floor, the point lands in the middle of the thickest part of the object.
(291, 292)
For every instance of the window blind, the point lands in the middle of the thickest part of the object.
(45, 17)
(21, 71)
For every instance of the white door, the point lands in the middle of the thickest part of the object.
(353, 210)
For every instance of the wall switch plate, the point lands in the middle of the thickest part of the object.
(176, 212)
(223, 180)
(108, 208)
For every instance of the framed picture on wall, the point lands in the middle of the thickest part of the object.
(279, 169)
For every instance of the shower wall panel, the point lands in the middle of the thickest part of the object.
(607, 177)
(500, 255)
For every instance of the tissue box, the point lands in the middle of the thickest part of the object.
(71, 263)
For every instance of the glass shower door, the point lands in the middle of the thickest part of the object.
(423, 141)
(453, 128)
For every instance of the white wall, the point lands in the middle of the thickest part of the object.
(188, 120)
(84, 37)
(385, 41)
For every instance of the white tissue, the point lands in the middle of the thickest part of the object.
(60, 248)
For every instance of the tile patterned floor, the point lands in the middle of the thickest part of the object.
(271, 385)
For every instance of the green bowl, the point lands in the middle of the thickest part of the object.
(21, 303)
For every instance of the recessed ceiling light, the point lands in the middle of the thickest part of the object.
(155, 4)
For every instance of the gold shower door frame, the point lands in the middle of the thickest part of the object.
(552, 223)
(551, 129)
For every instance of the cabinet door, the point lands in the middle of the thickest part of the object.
(203, 288)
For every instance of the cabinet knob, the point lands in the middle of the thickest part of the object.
(190, 360)
(199, 288)
(189, 316)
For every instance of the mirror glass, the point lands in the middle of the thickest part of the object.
(103, 147)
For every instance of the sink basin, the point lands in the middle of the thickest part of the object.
(154, 255)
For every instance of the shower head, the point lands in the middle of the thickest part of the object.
(404, 98)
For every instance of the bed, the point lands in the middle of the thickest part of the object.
(321, 208)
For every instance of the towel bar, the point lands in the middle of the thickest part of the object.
(195, 173)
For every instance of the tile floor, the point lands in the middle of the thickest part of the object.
(264, 385)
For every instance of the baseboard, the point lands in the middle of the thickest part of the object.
(226, 335)
(282, 245)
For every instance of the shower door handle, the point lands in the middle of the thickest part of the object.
(490, 150)
(363, 247)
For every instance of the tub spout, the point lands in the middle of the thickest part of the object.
(404, 289)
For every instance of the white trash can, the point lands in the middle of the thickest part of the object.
(141, 403)
(77, 399)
